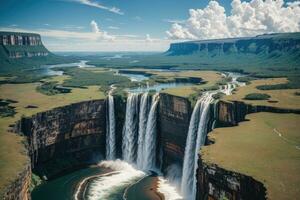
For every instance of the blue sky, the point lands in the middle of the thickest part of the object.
(122, 25)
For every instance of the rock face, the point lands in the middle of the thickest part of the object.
(65, 137)
(174, 115)
(18, 45)
(19, 189)
(270, 44)
(215, 183)
(230, 113)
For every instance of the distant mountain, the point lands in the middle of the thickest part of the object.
(269, 45)
(19, 45)
(25, 51)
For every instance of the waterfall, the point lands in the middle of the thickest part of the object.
(130, 130)
(195, 139)
(150, 137)
(144, 110)
(110, 130)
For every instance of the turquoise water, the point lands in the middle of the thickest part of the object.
(62, 188)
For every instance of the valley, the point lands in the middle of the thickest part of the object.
(86, 127)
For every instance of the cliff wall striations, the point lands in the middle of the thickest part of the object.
(65, 137)
(18, 45)
(230, 113)
(19, 189)
(174, 115)
(217, 183)
(269, 44)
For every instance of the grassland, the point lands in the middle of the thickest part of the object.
(254, 148)
(12, 157)
(278, 98)
(210, 77)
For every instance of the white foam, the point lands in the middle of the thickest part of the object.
(102, 187)
(169, 191)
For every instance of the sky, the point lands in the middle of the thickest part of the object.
(144, 25)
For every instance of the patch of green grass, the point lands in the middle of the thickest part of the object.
(5, 109)
(35, 181)
(51, 88)
(82, 77)
(255, 148)
(245, 79)
(257, 96)
(224, 81)
(293, 83)
(218, 95)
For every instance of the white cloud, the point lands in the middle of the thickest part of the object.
(113, 27)
(246, 19)
(95, 27)
(177, 21)
(100, 34)
(96, 40)
(98, 5)
(148, 38)
(138, 18)
(179, 32)
(292, 4)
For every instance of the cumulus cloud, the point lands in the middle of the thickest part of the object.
(100, 34)
(148, 38)
(98, 5)
(246, 19)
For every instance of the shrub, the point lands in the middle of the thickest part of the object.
(294, 83)
(245, 79)
(257, 96)
(218, 95)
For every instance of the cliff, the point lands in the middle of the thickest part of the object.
(217, 183)
(18, 45)
(264, 51)
(173, 123)
(19, 189)
(230, 113)
(65, 137)
(261, 44)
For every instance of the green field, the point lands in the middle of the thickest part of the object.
(12, 157)
(278, 98)
(255, 148)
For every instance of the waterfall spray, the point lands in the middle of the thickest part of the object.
(195, 139)
(150, 137)
(110, 130)
(144, 110)
(130, 128)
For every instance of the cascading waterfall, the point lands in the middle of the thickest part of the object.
(150, 137)
(130, 130)
(110, 130)
(195, 139)
(144, 110)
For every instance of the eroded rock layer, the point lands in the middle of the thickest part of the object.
(65, 137)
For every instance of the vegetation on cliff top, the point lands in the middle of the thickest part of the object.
(279, 98)
(257, 96)
(264, 147)
(27, 101)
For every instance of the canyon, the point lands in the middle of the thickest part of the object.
(77, 134)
